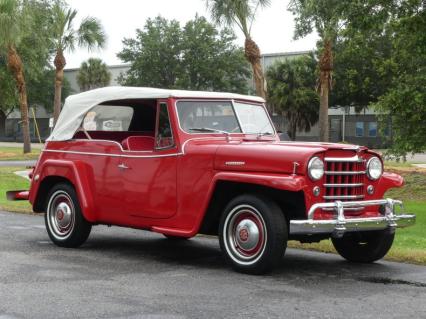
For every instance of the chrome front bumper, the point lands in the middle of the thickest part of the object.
(339, 225)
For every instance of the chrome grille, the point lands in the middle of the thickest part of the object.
(344, 180)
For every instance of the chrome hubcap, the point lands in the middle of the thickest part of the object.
(61, 215)
(245, 233)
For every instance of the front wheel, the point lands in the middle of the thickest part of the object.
(364, 247)
(65, 224)
(253, 234)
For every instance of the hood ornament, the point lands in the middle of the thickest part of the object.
(295, 165)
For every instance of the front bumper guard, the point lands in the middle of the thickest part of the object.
(340, 224)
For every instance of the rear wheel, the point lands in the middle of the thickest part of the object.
(364, 247)
(253, 234)
(65, 224)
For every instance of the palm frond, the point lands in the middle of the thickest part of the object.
(9, 23)
(91, 34)
(230, 12)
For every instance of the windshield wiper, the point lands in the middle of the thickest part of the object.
(264, 133)
(212, 130)
(207, 129)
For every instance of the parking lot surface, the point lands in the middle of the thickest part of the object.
(127, 273)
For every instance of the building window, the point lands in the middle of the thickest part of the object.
(335, 125)
(387, 129)
(359, 129)
(372, 129)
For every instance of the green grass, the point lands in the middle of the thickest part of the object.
(413, 190)
(10, 181)
(393, 164)
(16, 154)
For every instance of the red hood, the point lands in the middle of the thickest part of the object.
(274, 157)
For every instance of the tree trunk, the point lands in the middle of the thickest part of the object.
(294, 133)
(292, 129)
(324, 87)
(323, 113)
(59, 63)
(252, 54)
(15, 65)
(2, 123)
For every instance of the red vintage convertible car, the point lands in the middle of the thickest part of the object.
(182, 163)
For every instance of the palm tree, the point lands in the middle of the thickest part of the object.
(93, 74)
(89, 34)
(242, 14)
(324, 16)
(11, 31)
(291, 89)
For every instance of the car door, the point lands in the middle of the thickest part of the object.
(149, 180)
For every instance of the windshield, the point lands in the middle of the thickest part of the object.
(223, 117)
(253, 118)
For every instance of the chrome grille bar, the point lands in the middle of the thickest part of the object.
(344, 172)
(344, 159)
(344, 185)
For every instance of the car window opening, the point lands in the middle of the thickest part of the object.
(128, 122)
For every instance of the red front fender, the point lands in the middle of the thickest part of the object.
(389, 180)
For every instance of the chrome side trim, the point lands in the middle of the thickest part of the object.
(344, 159)
(339, 225)
(344, 172)
(112, 155)
(138, 152)
(234, 163)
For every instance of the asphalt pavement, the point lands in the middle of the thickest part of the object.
(127, 273)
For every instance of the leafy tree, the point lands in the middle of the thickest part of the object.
(291, 88)
(155, 54)
(65, 37)
(13, 19)
(325, 17)
(404, 102)
(211, 60)
(242, 13)
(381, 63)
(41, 91)
(93, 74)
(35, 53)
(8, 94)
(361, 47)
(197, 57)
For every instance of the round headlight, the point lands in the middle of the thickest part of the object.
(374, 168)
(315, 168)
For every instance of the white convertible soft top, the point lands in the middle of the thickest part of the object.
(76, 106)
